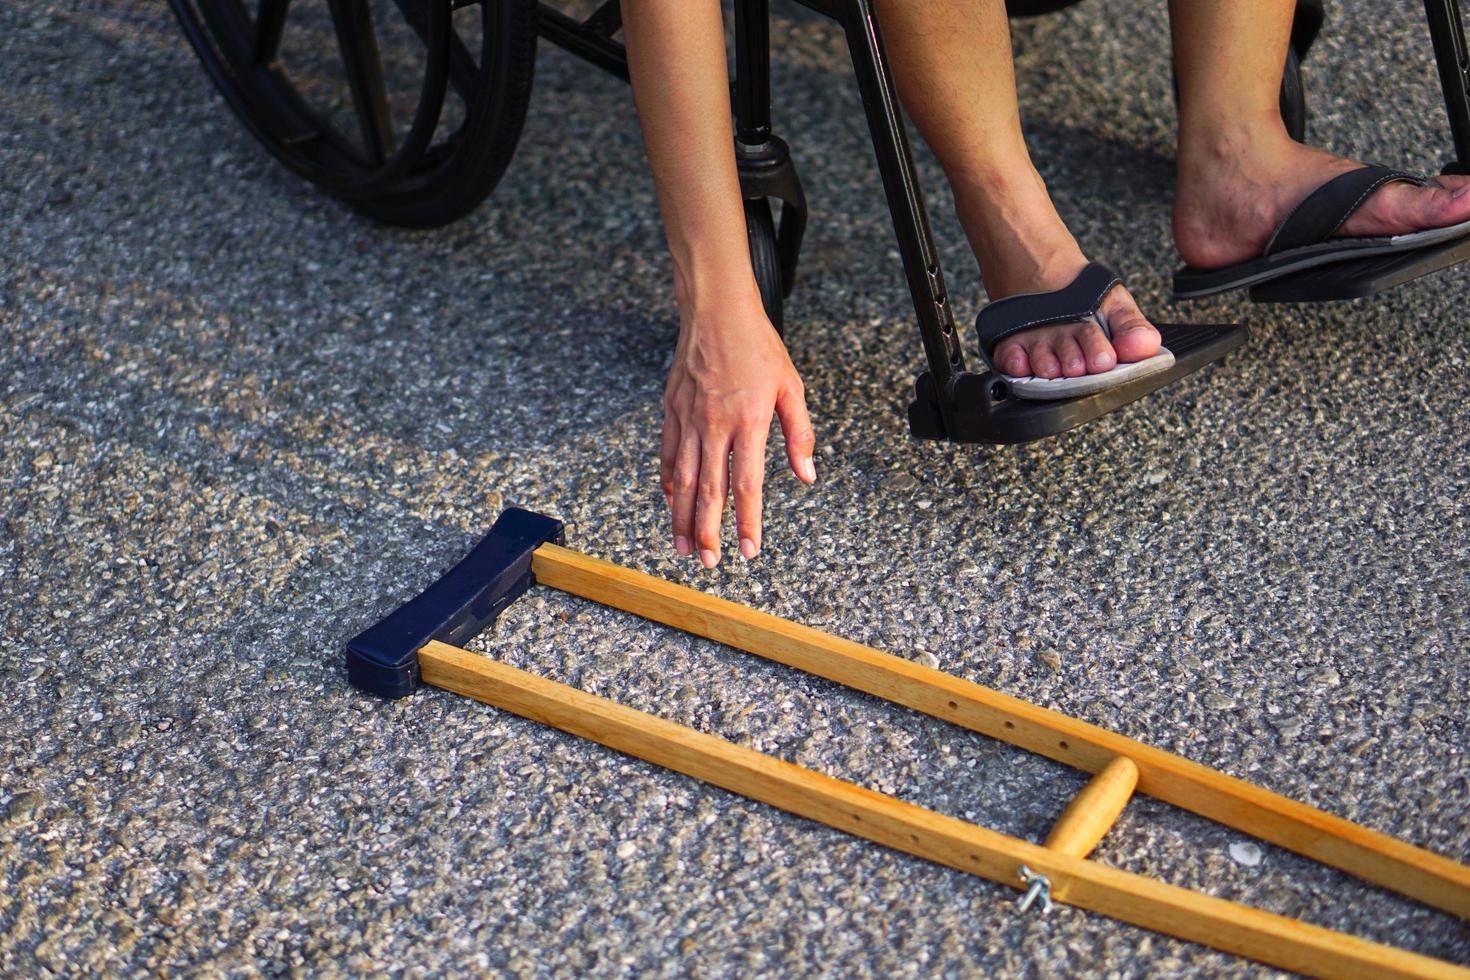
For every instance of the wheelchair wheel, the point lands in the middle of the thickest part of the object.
(415, 133)
(760, 229)
(1294, 97)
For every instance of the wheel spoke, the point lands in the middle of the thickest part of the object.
(269, 21)
(364, 67)
(463, 71)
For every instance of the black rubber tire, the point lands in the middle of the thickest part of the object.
(760, 230)
(447, 181)
(1294, 97)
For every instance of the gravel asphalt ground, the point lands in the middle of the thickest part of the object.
(239, 422)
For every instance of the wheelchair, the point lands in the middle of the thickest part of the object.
(470, 65)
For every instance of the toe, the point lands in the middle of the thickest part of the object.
(1447, 204)
(1043, 357)
(1400, 208)
(1097, 350)
(1069, 356)
(1134, 338)
(1010, 357)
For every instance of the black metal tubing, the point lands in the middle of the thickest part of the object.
(606, 20)
(1447, 31)
(752, 71)
(586, 41)
(762, 159)
(905, 202)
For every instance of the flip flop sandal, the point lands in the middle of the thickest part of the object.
(1304, 239)
(1076, 302)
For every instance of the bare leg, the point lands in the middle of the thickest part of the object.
(1239, 171)
(730, 371)
(952, 63)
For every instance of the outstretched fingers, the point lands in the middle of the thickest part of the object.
(796, 428)
(668, 454)
(713, 487)
(748, 472)
(685, 490)
(715, 449)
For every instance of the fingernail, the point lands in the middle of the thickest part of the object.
(710, 558)
(1460, 193)
(809, 470)
(747, 549)
(681, 545)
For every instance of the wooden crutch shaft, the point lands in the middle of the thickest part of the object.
(1094, 810)
(1375, 857)
(1133, 898)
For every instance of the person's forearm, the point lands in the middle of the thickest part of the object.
(676, 59)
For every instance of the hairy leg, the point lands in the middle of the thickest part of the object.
(1239, 171)
(952, 63)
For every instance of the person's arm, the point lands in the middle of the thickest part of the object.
(730, 369)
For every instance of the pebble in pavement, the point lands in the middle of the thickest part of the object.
(239, 423)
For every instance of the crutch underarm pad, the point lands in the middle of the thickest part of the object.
(383, 659)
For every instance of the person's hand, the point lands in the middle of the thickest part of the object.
(730, 374)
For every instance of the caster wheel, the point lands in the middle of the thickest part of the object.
(415, 133)
(760, 230)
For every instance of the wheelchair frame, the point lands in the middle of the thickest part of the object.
(950, 401)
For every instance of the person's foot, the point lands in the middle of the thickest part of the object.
(1233, 191)
(1023, 247)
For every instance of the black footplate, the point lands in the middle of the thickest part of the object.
(985, 411)
(1360, 278)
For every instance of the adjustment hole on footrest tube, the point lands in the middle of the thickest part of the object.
(953, 704)
(1010, 724)
(1063, 745)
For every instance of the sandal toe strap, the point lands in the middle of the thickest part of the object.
(1079, 300)
(1325, 210)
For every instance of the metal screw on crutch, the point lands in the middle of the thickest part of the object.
(1039, 887)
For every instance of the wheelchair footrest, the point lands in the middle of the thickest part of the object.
(1360, 278)
(985, 411)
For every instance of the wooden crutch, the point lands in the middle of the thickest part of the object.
(421, 640)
